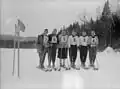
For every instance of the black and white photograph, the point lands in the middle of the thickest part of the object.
(60, 44)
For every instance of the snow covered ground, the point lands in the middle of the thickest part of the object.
(107, 77)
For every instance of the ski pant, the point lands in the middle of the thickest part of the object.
(92, 54)
(83, 54)
(42, 53)
(73, 53)
(52, 54)
(62, 53)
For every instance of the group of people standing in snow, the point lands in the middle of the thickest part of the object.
(63, 44)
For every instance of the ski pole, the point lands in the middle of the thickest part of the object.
(61, 56)
(97, 64)
(68, 59)
(14, 56)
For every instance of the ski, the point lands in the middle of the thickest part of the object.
(49, 69)
(63, 68)
(55, 69)
(66, 68)
(43, 69)
(76, 68)
(85, 67)
(95, 68)
(59, 69)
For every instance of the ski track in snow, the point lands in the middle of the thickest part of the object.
(107, 77)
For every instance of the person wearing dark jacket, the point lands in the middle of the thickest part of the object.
(53, 40)
(42, 47)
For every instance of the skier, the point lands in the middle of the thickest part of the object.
(93, 39)
(63, 48)
(53, 40)
(83, 42)
(73, 43)
(42, 47)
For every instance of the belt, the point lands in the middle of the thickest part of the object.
(73, 45)
(84, 45)
(93, 45)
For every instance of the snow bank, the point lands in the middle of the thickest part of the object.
(32, 78)
(109, 50)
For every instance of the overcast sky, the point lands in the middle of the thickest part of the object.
(40, 14)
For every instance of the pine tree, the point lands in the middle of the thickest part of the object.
(106, 9)
(91, 24)
(107, 21)
(118, 8)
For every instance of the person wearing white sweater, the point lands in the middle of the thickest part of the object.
(83, 42)
(73, 43)
(53, 41)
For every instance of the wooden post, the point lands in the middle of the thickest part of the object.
(14, 55)
(18, 55)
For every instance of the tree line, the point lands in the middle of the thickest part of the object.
(106, 27)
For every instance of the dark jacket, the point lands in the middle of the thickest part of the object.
(40, 39)
(39, 43)
(50, 37)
